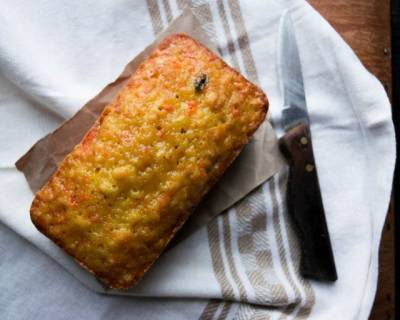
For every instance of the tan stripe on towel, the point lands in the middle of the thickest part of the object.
(228, 34)
(155, 15)
(261, 314)
(216, 258)
(243, 40)
(254, 312)
(229, 255)
(204, 14)
(252, 217)
(244, 312)
(287, 311)
(210, 309)
(225, 310)
(168, 11)
(278, 233)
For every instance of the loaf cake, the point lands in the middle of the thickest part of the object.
(122, 193)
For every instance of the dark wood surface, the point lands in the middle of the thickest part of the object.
(396, 118)
(365, 25)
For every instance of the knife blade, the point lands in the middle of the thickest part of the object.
(304, 200)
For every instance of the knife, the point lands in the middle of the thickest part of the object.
(304, 199)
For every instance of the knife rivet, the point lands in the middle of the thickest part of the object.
(309, 167)
(303, 141)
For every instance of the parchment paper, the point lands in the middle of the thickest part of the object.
(258, 161)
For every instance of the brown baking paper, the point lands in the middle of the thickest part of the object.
(258, 161)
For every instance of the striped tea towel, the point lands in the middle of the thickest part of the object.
(244, 264)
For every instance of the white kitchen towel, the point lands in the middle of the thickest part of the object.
(56, 55)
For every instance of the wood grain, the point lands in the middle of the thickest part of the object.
(365, 25)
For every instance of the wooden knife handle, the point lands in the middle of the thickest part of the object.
(305, 206)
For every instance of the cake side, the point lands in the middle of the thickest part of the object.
(120, 196)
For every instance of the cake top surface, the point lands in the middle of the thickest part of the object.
(121, 194)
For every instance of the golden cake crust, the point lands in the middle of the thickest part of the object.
(121, 195)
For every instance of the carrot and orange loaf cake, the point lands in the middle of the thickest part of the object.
(121, 195)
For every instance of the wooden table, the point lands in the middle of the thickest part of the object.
(365, 25)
